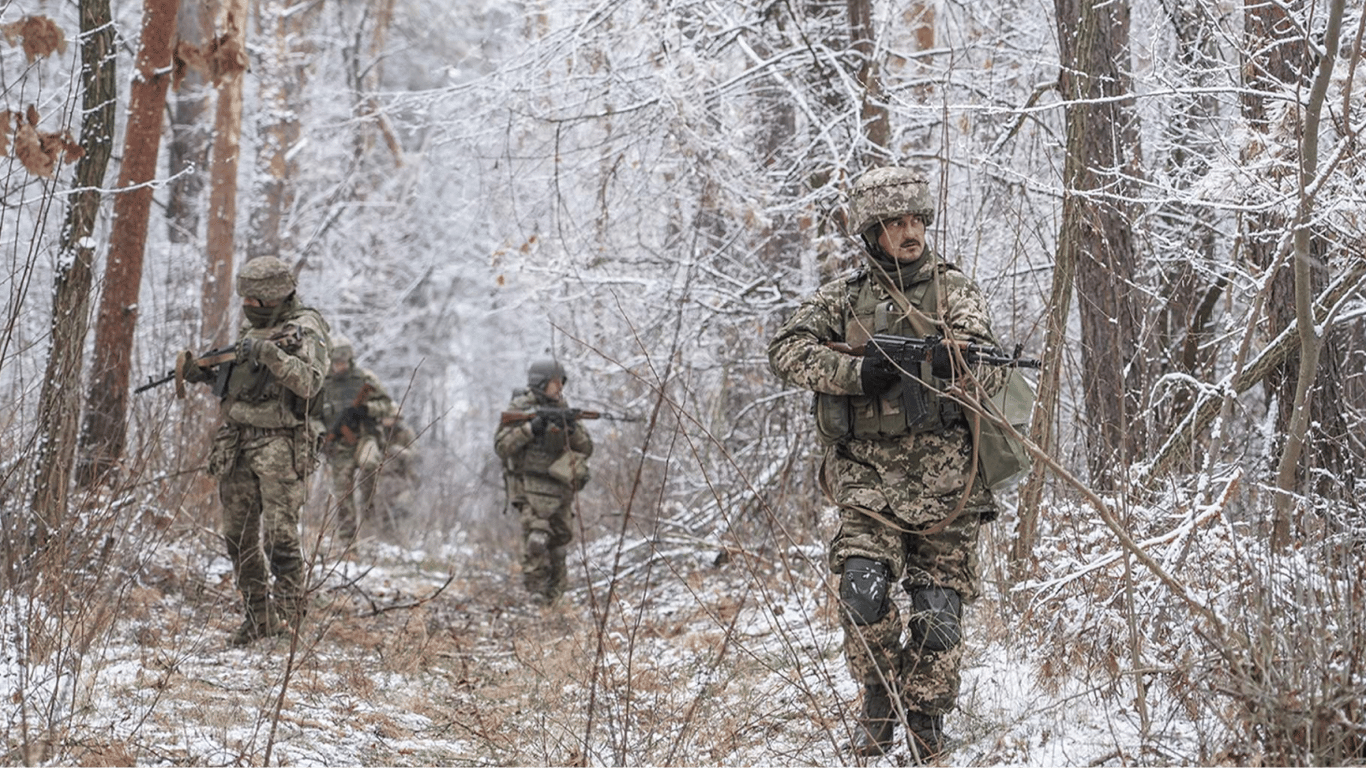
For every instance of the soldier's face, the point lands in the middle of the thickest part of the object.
(903, 238)
(250, 301)
(340, 365)
(554, 387)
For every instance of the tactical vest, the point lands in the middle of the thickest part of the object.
(341, 392)
(253, 383)
(542, 451)
(910, 407)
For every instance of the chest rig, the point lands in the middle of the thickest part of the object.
(915, 404)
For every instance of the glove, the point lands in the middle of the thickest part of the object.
(248, 349)
(355, 414)
(538, 425)
(190, 370)
(877, 375)
(941, 362)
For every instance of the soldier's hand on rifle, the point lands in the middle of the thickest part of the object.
(187, 364)
(877, 374)
(538, 425)
(941, 361)
(249, 349)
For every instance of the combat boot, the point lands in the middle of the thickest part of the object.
(877, 724)
(927, 736)
(260, 622)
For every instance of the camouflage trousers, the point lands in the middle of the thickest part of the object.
(926, 680)
(546, 534)
(355, 472)
(262, 491)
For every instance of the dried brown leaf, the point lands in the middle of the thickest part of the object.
(41, 36)
(185, 58)
(4, 132)
(28, 147)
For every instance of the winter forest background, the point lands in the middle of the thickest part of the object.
(1163, 200)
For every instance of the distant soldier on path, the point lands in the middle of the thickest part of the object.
(354, 408)
(264, 452)
(544, 465)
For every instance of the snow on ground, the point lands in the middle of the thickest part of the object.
(415, 657)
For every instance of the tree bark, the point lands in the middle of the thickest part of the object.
(872, 112)
(1102, 149)
(1096, 253)
(217, 296)
(1310, 341)
(283, 77)
(105, 427)
(188, 149)
(59, 403)
(1281, 64)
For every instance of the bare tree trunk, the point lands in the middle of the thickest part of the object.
(1096, 251)
(105, 426)
(231, 63)
(872, 112)
(1282, 64)
(188, 149)
(59, 404)
(284, 75)
(1101, 147)
(1310, 341)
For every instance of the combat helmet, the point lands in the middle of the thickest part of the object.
(887, 193)
(265, 278)
(542, 372)
(342, 349)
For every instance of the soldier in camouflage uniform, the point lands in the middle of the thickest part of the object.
(266, 449)
(535, 454)
(900, 475)
(355, 404)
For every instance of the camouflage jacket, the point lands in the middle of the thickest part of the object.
(282, 388)
(898, 473)
(527, 458)
(340, 390)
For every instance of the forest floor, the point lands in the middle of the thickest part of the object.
(411, 657)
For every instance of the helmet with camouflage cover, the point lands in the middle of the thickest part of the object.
(888, 193)
(542, 372)
(265, 278)
(342, 349)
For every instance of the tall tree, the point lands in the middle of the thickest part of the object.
(1095, 254)
(188, 149)
(284, 69)
(1304, 283)
(105, 428)
(227, 63)
(1095, 237)
(1276, 71)
(59, 403)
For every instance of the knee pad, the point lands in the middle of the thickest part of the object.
(863, 590)
(936, 618)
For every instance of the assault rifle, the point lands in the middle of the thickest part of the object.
(908, 351)
(560, 415)
(220, 361)
(346, 428)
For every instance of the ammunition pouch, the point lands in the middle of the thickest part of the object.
(571, 468)
(910, 408)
